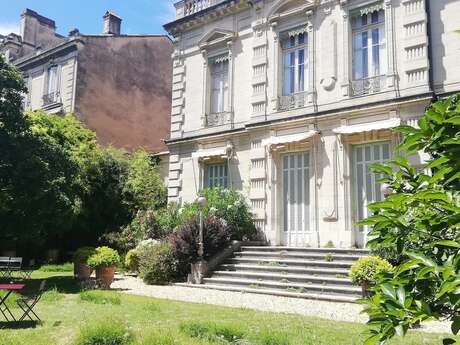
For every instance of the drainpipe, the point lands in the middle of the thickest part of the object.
(430, 50)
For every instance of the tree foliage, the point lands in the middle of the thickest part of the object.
(57, 182)
(422, 218)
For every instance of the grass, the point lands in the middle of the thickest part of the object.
(100, 297)
(67, 267)
(69, 314)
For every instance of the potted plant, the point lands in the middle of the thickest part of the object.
(104, 261)
(80, 258)
(364, 272)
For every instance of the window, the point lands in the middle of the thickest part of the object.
(51, 92)
(369, 47)
(295, 62)
(52, 80)
(219, 84)
(217, 175)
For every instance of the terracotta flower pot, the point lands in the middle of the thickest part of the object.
(105, 275)
(83, 271)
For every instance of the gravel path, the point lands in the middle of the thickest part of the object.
(322, 309)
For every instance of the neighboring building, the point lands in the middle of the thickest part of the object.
(118, 85)
(292, 101)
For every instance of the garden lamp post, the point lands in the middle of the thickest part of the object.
(201, 203)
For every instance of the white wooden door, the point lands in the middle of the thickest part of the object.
(366, 188)
(296, 198)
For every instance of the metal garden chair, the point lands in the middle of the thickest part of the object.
(5, 266)
(15, 265)
(27, 304)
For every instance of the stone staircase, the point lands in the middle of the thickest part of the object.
(312, 273)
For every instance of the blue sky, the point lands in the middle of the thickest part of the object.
(139, 16)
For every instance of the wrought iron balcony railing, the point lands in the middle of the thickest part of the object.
(188, 7)
(368, 86)
(51, 98)
(218, 119)
(292, 101)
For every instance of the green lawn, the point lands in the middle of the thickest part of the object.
(65, 311)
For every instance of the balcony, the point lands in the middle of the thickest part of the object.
(292, 101)
(218, 119)
(51, 98)
(186, 8)
(368, 86)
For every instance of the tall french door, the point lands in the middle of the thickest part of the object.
(365, 184)
(296, 198)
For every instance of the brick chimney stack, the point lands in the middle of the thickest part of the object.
(112, 23)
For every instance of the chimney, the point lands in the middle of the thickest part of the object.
(112, 23)
(36, 30)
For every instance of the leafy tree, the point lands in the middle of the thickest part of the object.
(56, 182)
(36, 196)
(422, 218)
(144, 183)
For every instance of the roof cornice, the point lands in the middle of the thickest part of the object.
(35, 58)
(206, 15)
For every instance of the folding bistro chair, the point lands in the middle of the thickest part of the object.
(5, 266)
(27, 304)
(15, 265)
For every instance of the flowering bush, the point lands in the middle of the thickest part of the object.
(185, 241)
(229, 205)
(157, 263)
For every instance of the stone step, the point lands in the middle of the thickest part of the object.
(295, 287)
(286, 278)
(298, 255)
(325, 271)
(291, 262)
(274, 292)
(351, 251)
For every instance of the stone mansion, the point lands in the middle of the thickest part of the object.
(291, 101)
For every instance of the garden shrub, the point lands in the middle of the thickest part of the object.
(132, 260)
(104, 257)
(105, 333)
(229, 205)
(367, 269)
(82, 254)
(100, 297)
(184, 241)
(157, 263)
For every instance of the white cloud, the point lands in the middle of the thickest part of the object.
(7, 28)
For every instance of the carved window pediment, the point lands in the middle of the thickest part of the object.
(216, 37)
(285, 8)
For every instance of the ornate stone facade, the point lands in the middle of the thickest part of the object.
(315, 88)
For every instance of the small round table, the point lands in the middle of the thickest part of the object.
(3, 307)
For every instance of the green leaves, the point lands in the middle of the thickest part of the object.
(420, 223)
